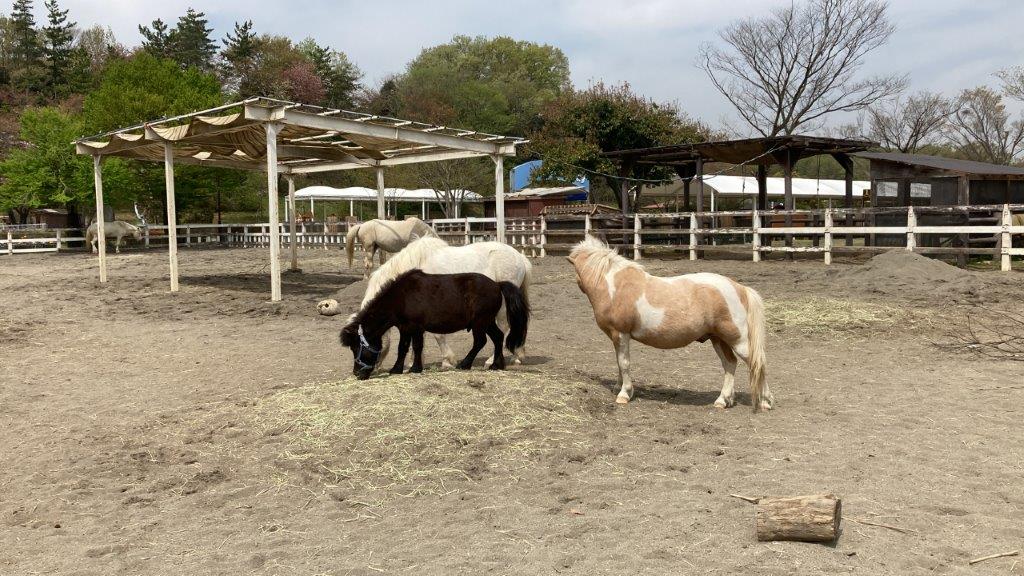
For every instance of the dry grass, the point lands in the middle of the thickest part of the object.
(410, 433)
(833, 316)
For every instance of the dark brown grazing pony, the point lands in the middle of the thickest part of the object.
(416, 302)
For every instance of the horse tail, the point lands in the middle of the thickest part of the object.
(518, 312)
(527, 280)
(350, 243)
(90, 233)
(755, 344)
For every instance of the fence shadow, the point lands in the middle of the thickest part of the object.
(314, 285)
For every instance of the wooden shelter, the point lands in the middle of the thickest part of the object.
(530, 202)
(899, 179)
(688, 161)
(289, 139)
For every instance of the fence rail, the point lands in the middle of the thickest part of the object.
(961, 231)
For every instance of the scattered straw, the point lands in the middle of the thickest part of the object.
(832, 316)
(411, 433)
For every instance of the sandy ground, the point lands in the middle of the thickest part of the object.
(198, 433)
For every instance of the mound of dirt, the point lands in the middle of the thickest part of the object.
(913, 276)
(351, 295)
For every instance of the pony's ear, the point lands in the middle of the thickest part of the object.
(348, 336)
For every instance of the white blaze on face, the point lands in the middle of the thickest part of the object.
(650, 318)
(728, 291)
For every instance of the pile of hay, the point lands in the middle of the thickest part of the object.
(833, 316)
(412, 433)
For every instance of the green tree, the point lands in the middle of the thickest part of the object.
(496, 85)
(581, 125)
(100, 47)
(26, 50)
(190, 41)
(156, 39)
(58, 48)
(238, 56)
(340, 77)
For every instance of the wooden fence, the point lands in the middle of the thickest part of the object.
(961, 231)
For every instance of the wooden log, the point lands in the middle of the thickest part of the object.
(803, 518)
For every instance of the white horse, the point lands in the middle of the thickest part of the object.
(117, 228)
(384, 235)
(630, 304)
(499, 262)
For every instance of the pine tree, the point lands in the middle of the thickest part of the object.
(190, 42)
(59, 36)
(339, 75)
(26, 51)
(239, 55)
(156, 40)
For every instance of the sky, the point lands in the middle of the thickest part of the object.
(943, 45)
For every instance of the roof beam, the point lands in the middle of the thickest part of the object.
(411, 159)
(317, 122)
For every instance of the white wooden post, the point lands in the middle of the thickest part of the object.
(101, 232)
(145, 235)
(828, 236)
(499, 195)
(466, 233)
(423, 209)
(693, 236)
(911, 224)
(275, 245)
(10, 248)
(636, 236)
(381, 209)
(294, 246)
(755, 226)
(59, 241)
(172, 217)
(586, 226)
(543, 236)
(1005, 240)
(188, 234)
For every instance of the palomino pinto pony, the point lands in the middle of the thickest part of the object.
(416, 302)
(385, 235)
(499, 262)
(630, 304)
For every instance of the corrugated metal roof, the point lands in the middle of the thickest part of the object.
(941, 163)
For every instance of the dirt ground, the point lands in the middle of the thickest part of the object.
(211, 432)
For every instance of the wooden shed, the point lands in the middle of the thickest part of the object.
(530, 202)
(899, 179)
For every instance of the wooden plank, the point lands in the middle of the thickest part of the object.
(272, 210)
(172, 221)
(101, 233)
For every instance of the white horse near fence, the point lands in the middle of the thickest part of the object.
(499, 262)
(389, 236)
(116, 229)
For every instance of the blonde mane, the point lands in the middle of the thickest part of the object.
(409, 258)
(600, 259)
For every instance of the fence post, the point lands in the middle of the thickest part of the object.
(302, 235)
(465, 231)
(828, 236)
(543, 236)
(58, 239)
(1005, 240)
(10, 244)
(145, 237)
(188, 234)
(245, 236)
(693, 236)
(911, 225)
(637, 242)
(755, 226)
(586, 226)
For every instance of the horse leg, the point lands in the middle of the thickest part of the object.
(479, 339)
(117, 245)
(742, 349)
(403, 349)
(94, 249)
(417, 353)
(621, 342)
(447, 355)
(498, 337)
(368, 259)
(725, 353)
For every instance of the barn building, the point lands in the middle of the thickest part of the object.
(919, 180)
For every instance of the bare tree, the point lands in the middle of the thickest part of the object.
(1013, 82)
(982, 129)
(786, 71)
(908, 124)
(451, 179)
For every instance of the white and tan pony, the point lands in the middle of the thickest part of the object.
(630, 304)
(499, 262)
(117, 229)
(388, 236)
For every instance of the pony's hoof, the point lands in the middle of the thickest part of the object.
(724, 403)
(416, 370)
(464, 366)
(767, 405)
(446, 365)
(488, 362)
(328, 308)
(622, 399)
(496, 367)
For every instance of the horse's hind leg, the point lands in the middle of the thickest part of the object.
(621, 343)
(479, 339)
(725, 353)
(498, 338)
(403, 349)
(447, 355)
(417, 353)
(368, 253)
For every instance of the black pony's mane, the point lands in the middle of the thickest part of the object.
(384, 290)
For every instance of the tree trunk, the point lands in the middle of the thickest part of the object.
(804, 518)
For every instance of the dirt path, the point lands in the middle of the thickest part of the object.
(150, 433)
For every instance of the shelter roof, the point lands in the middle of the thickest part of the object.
(311, 139)
(969, 167)
(361, 193)
(745, 151)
